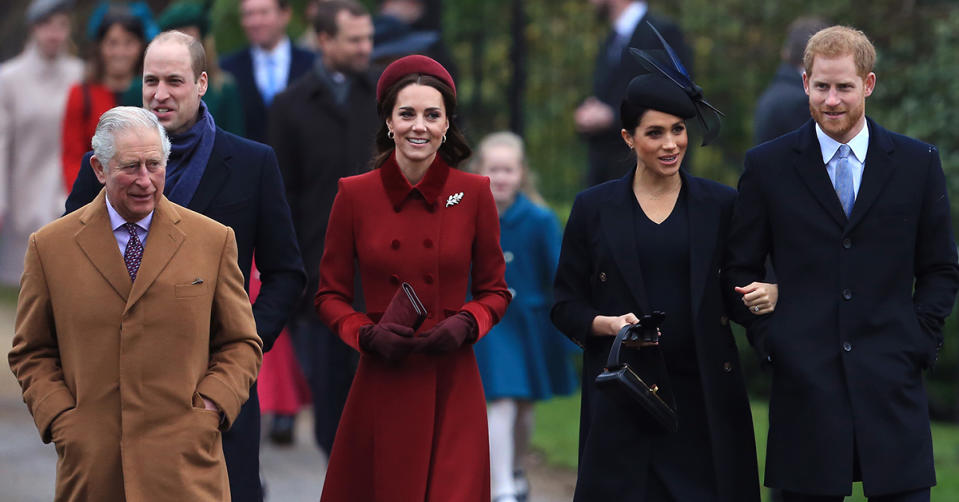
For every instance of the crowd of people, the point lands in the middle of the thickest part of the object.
(324, 234)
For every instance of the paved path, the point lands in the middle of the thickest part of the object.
(293, 474)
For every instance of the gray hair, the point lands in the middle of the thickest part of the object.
(124, 118)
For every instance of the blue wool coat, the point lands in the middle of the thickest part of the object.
(524, 356)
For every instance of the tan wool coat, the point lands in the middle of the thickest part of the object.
(112, 370)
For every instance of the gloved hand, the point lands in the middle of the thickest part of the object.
(388, 340)
(450, 333)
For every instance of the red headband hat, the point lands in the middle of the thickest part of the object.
(409, 65)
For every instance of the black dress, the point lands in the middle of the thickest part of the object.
(681, 462)
(614, 261)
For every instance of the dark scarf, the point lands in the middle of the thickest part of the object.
(189, 155)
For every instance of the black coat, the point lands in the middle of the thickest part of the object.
(599, 274)
(242, 188)
(317, 142)
(850, 335)
(782, 107)
(240, 64)
(609, 158)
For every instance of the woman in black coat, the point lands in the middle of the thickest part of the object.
(653, 240)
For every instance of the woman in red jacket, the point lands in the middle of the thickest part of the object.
(116, 61)
(414, 427)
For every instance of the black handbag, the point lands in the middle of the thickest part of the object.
(624, 386)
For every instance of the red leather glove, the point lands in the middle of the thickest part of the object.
(450, 333)
(388, 340)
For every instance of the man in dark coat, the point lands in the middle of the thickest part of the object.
(857, 222)
(784, 106)
(322, 128)
(268, 65)
(237, 183)
(597, 118)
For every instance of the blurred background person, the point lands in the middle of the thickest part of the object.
(222, 96)
(33, 94)
(597, 118)
(414, 427)
(400, 30)
(784, 105)
(523, 359)
(322, 128)
(268, 64)
(112, 79)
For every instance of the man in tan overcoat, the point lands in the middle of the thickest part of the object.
(135, 343)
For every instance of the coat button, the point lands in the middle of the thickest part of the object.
(847, 346)
(395, 280)
(602, 276)
(395, 244)
(723, 320)
(727, 367)
(847, 294)
(427, 243)
(846, 243)
(508, 256)
(428, 278)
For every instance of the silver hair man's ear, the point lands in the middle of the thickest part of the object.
(124, 118)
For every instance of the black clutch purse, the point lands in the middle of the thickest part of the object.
(624, 386)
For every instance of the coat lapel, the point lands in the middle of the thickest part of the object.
(878, 167)
(96, 240)
(214, 177)
(812, 171)
(617, 222)
(703, 233)
(162, 243)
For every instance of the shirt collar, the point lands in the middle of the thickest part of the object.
(398, 188)
(280, 54)
(117, 221)
(626, 23)
(859, 144)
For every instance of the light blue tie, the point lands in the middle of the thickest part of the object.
(843, 183)
(271, 79)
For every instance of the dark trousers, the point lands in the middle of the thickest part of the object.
(241, 447)
(920, 495)
(329, 366)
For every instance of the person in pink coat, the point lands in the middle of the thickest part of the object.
(414, 427)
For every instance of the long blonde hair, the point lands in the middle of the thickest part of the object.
(512, 141)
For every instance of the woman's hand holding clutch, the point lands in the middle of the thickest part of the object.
(610, 326)
(760, 297)
(450, 333)
(391, 341)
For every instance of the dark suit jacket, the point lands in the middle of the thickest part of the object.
(609, 158)
(860, 312)
(599, 274)
(317, 142)
(240, 64)
(242, 189)
(782, 107)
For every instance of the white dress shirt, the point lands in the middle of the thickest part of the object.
(121, 234)
(857, 157)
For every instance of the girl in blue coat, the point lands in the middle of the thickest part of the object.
(523, 359)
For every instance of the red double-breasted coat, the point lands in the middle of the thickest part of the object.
(414, 430)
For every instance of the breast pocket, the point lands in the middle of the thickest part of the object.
(190, 289)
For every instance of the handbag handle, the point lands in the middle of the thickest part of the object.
(613, 360)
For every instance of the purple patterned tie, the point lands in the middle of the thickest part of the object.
(134, 251)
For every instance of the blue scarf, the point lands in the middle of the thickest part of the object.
(189, 156)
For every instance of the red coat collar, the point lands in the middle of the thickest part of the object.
(398, 189)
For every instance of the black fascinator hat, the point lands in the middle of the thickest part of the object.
(667, 87)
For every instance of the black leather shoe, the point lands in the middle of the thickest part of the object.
(281, 429)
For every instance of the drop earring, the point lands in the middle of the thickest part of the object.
(389, 133)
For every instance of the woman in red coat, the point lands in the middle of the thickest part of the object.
(116, 61)
(414, 428)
